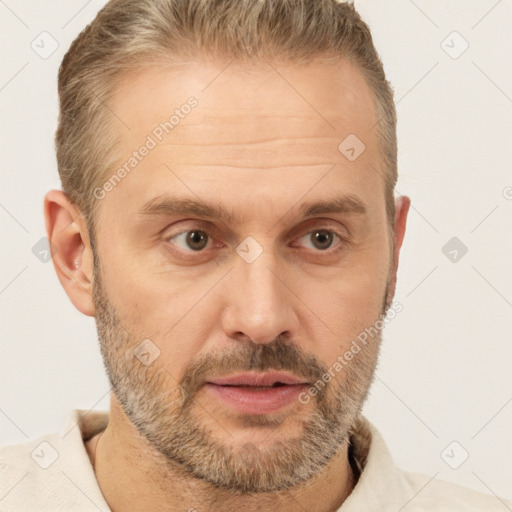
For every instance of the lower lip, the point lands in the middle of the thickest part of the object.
(257, 401)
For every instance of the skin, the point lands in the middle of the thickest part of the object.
(257, 147)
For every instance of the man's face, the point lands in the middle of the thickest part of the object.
(260, 143)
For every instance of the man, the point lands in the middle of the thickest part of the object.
(228, 218)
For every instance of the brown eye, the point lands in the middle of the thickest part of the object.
(195, 240)
(320, 239)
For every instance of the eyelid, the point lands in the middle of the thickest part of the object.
(211, 238)
(189, 225)
(320, 223)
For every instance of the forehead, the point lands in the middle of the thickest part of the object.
(262, 125)
(319, 98)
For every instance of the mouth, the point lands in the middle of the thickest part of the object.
(257, 393)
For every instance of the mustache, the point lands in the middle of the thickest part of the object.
(245, 356)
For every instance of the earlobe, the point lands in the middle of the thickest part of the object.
(71, 251)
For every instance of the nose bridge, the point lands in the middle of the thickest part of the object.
(259, 304)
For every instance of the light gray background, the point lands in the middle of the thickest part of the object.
(445, 366)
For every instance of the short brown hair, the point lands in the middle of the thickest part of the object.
(127, 34)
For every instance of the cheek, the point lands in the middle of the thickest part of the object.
(346, 305)
(168, 308)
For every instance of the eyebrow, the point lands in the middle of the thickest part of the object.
(169, 205)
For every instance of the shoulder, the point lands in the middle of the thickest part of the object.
(385, 487)
(430, 493)
(29, 469)
(38, 453)
(52, 472)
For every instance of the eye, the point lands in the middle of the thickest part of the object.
(321, 239)
(198, 240)
(194, 239)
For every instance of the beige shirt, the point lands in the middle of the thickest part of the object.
(54, 473)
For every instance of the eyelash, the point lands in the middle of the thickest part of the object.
(330, 251)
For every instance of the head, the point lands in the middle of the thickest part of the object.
(228, 172)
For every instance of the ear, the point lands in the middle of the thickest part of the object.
(402, 205)
(71, 250)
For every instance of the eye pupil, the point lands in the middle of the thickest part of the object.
(197, 240)
(322, 239)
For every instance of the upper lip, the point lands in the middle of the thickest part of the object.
(257, 379)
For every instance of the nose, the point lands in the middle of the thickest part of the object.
(259, 304)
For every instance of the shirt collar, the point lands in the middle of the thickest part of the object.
(381, 485)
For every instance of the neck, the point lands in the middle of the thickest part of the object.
(133, 477)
